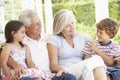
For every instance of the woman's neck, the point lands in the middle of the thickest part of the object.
(67, 37)
(69, 40)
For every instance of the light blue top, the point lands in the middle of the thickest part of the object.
(66, 54)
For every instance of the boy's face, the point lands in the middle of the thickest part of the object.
(102, 36)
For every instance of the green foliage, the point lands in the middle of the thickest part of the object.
(9, 7)
(85, 14)
(114, 10)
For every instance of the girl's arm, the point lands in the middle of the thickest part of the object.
(53, 57)
(4, 59)
(29, 60)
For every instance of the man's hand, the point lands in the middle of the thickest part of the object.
(19, 69)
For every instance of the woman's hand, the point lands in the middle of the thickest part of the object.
(59, 73)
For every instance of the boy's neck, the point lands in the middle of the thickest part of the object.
(105, 43)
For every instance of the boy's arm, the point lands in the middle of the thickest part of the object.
(108, 60)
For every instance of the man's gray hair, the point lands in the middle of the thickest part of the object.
(26, 15)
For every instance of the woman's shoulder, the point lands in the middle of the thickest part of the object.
(81, 35)
(55, 37)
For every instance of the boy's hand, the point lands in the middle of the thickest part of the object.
(93, 46)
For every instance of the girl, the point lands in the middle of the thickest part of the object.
(14, 34)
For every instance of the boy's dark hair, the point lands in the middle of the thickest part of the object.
(13, 25)
(110, 26)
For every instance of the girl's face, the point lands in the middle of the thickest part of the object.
(20, 34)
(69, 28)
(102, 36)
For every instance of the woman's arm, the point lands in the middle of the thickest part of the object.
(29, 60)
(53, 57)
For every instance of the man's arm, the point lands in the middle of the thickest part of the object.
(17, 67)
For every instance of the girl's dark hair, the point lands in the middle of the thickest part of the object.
(13, 25)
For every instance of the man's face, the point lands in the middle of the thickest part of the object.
(35, 26)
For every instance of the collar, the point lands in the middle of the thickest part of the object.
(43, 37)
(106, 43)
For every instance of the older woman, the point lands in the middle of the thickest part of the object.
(65, 47)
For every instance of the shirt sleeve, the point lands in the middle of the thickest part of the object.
(115, 50)
(53, 40)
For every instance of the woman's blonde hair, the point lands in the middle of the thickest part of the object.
(60, 20)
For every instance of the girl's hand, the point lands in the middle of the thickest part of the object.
(59, 73)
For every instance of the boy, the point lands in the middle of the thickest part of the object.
(105, 47)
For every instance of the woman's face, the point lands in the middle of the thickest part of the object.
(69, 28)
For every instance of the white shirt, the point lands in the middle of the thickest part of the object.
(39, 51)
